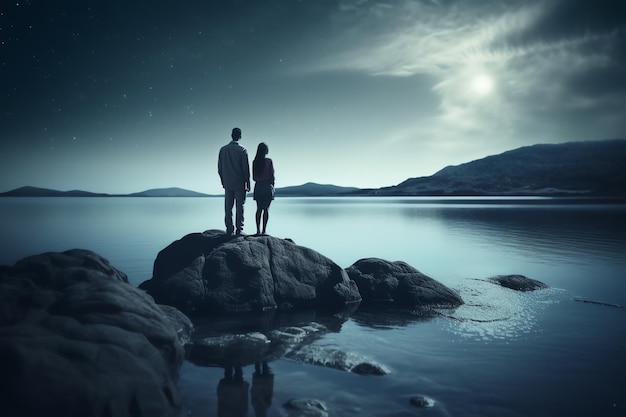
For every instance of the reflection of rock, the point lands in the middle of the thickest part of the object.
(77, 339)
(244, 342)
(390, 317)
(210, 273)
(306, 407)
(293, 337)
(293, 342)
(400, 285)
(518, 282)
(229, 350)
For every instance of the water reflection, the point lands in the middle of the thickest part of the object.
(234, 342)
(391, 318)
(232, 391)
(492, 312)
(534, 229)
(262, 389)
(259, 338)
(573, 344)
(232, 394)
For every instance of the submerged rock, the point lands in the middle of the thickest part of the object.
(398, 284)
(518, 282)
(421, 401)
(333, 357)
(77, 339)
(210, 272)
(306, 407)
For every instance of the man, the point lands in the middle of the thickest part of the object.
(234, 171)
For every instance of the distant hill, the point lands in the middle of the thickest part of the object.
(311, 189)
(168, 192)
(592, 168)
(44, 192)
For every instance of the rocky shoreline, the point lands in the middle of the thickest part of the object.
(77, 339)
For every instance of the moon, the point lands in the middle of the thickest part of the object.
(482, 84)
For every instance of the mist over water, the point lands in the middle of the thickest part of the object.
(503, 353)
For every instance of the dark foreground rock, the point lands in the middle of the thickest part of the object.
(518, 282)
(399, 285)
(77, 340)
(210, 272)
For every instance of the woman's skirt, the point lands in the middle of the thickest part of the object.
(263, 193)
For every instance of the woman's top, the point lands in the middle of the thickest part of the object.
(266, 174)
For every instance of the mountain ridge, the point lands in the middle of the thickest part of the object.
(586, 169)
(589, 168)
(30, 191)
(168, 192)
(311, 189)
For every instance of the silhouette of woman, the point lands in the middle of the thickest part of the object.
(263, 175)
(262, 389)
(232, 394)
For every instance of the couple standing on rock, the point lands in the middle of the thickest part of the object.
(234, 171)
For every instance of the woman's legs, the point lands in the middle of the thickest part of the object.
(266, 215)
(258, 218)
(262, 212)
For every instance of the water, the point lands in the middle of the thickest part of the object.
(502, 354)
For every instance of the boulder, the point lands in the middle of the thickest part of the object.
(517, 282)
(211, 272)
(77, 340)
(399, 285)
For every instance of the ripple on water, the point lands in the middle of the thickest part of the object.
(492, 312)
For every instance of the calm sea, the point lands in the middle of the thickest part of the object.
(502, 354)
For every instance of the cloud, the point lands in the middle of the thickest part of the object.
(533, 59)
(415, 37)
(451, 44)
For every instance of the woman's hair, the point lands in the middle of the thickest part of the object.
(259, 160)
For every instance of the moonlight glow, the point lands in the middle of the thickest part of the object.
(482, 84)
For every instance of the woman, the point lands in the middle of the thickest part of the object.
(263, 175)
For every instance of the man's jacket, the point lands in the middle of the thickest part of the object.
(233, 166)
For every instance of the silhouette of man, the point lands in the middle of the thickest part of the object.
(232, 394)
(234, 171)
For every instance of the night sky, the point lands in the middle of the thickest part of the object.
(122, 96)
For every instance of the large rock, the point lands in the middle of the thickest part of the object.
(210, 272)
(77, 340)
(518, 282)
(399, 285)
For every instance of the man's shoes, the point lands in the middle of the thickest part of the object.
(229, 231)
(238, 232)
